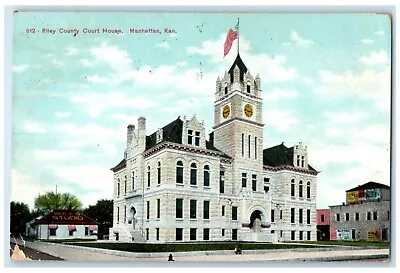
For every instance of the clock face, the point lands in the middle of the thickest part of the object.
(226, 111)
(248, 110)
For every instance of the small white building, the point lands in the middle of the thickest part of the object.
(62, 224)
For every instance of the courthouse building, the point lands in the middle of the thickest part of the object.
(177, 184)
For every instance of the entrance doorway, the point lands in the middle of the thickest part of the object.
(255, 220)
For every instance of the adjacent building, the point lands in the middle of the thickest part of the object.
(178, 184)
(62, 224)
(323, 220)
(364, 216)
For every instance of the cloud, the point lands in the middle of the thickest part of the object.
(55, 154)
(20, 68)
(62, 115)
(86, 62)
(124, 118)
(344, 117)
(282, 121)
(96, 103)
(367, 41)
(297, 40)
(119, 60)
(71, 51)
(375, 58)
(379, 33)
(34, 128)
(163, 45)
(370, 85)
(278, 94)
(57, 63)
(97, 79)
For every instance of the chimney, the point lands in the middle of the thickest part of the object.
(129, 135)
(142, 133)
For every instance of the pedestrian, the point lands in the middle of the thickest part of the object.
(170, 258)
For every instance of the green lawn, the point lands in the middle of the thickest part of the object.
(182, 247)
(350, 243)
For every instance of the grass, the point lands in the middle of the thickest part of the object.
(350, 243)
(184, 247)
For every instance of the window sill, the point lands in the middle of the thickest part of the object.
(179, 184)
(193, 186)
(207, 187)
(179, 219)
(158, 185)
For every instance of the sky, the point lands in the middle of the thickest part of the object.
(325, 79)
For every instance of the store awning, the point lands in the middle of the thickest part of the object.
(71, 227)
(53, 226)
(93, 227)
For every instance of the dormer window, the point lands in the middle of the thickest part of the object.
(194, 134)
(190, 137)
(298, 161)
(248, 88)
(159, 135)
(302, 161)
(197, 138)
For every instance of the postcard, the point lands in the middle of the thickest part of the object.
(201, 137)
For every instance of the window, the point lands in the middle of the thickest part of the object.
(148, 210)
(375, 215)
(179, 208)
(308, 235)
(347, 216)
(206, 210)
(298, 160)
(281, 214)
(147, 234)
(223, 232)
(190, 137)
(322, 218)
(206, 176)
(255, 147)
(272, 216)
(292, 235)
(71, 232)
(302, 161)
(249, 144)
(223, 210)
(301, 189)
(117, 214)
(244, 180)
(308, 190)
(301, 235)
(179, 172)
(193, 208)
(197, 139)
(272, 231)
(158, 208)
(124, 214)
(157, 234)
(221, 181)
(338, 217)
(281, 233)
(125, 184)
(148, 176)
(368, 215)
(301, 216)
(53, 232)
(133, 180)
(234, 213)
(292, 216)
(193, 232)
(234, 234)
(292, 188)
(388, 215)
(193, 174)
(357, 216)
(254, 182)
(206, 234)
(118, 187)
(248, 88)
(266, 188)
(179, 234)
(242, 145)
(86, 231)
(308, 216)
(159, 173)
(226, 90)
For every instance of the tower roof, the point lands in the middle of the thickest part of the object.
(242, 67)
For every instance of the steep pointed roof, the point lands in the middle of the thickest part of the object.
(279, 155)
(242, 67)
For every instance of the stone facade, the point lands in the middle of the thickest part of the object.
(177, 185)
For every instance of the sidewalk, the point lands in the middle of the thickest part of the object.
(78, 254)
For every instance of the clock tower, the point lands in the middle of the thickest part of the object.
(238, 127)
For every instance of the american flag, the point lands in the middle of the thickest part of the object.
(230, 37)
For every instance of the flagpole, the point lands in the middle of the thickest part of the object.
(238, 36)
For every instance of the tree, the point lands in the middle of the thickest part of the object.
(102, 212)
(19, 216)
(52, 201)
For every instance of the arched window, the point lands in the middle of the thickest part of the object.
(248, 88)
(292, 188)
(226, 88)
(148, 176)
(308, 190)
(159, 173)
(301, 189)
(179, 172)
(125, 184)
(206, 176)
(118, 187)
(193, 174)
